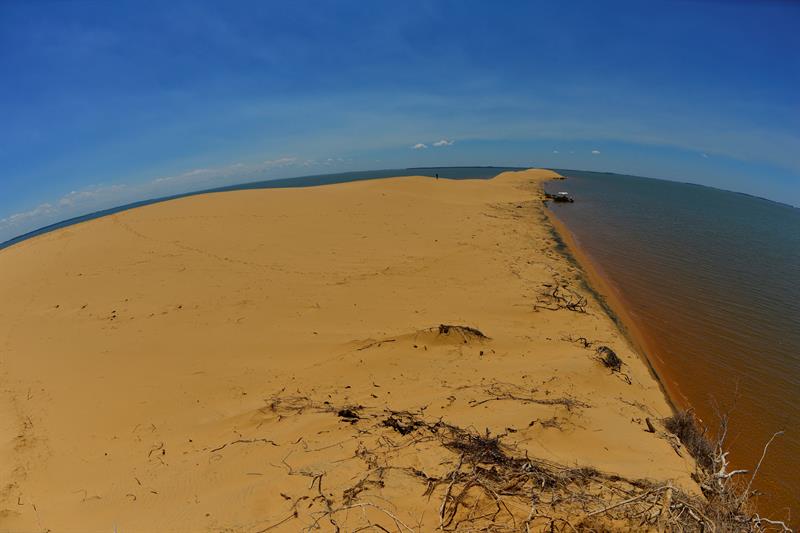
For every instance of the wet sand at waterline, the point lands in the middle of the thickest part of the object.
(707, 282)
(228, 361)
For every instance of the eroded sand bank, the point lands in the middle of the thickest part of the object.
(189, 365)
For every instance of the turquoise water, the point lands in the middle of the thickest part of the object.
(301, 181)
(712, 279)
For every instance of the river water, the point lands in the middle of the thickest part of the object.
(711, 280)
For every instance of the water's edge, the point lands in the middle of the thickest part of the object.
(612, 303)
(704, 283)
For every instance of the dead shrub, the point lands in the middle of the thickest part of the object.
(684, 425)
(609, 358)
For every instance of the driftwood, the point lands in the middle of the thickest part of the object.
(609, 358)
(604, 355)
(498, 391)
(466, 332)
(560, 296)
(491, 486)
(729, 501)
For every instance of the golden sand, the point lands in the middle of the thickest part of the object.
(182, 366)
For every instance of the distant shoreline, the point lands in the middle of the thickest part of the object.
(681, 182)
(310, 180)
(325, 179)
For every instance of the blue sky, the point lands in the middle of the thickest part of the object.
(102, 103)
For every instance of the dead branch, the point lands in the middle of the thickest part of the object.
(727, 501)
(746, 492)
(583, 341)
(466, 332)
(560, 296)
(625, 502)
(376, 343)
(496, 393)
(609, 358)
(494, 487)
(243, 441)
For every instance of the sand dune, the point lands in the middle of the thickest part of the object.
(264, 359)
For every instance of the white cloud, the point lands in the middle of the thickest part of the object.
(74, 198)
(222, 175)
(99, 197)
(186, 176)
(419, 146)
(280, 162)
(555, 151)
(595, 152)
(444, 142)
(18, 218)
(74, 203)
(705, 155)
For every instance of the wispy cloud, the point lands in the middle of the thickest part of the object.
(555, 151)
(104, 196)
(280, 162)
(595, 152)
(192, 175)
(20, 218)
(444, 142)
(704, 155)
(419, 146)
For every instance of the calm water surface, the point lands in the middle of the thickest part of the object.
(712, 281)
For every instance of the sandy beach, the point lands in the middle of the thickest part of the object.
(284, 359)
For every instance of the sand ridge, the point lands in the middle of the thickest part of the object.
(252, 360)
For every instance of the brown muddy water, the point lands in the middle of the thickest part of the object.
(710, 283)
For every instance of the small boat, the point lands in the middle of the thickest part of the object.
(560, 197)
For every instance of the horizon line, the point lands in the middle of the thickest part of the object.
(255, 184)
